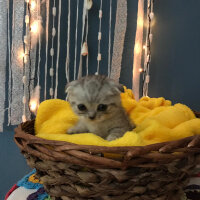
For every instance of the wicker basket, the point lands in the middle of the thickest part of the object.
(79, 172)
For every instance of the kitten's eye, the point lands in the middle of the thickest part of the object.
(82, 107)
(102, 107)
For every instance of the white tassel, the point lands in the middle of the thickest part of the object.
(51, 91)
(53, 31)
(52, 52)
(99, 57)
(54, 11)
(150, 37)
(51, 72)
(100, 14)
(151, 15)
(147, 78)
(89, 4)
(99, 36)
(84, 50)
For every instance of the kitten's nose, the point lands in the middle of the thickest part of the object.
(92, 115)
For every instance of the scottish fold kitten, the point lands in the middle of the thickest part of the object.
(96, 100)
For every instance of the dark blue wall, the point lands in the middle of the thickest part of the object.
(174, 68)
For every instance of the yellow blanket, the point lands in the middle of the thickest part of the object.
(155, 118)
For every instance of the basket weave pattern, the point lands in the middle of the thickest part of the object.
(81, 172)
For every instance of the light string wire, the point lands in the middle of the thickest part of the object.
(68, 39)
(47, 46)
(25, 61)
(86, 39)
(109, 40)
(9, 66)
(99, 38)
(52, 49)
(39, 40)
(11, 61)
(76, 38)
(30, 79)
(147, 58)
(58, 50)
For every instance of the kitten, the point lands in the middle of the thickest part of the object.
(96, 100)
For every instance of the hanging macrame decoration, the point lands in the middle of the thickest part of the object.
(3, 46)
(30, 70)
(119, 35)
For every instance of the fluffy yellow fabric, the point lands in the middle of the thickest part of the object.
(156, 119)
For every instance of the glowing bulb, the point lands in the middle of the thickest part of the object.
(33, 5)
(137, 48)
(140, 22)
(35, 27)
(33, 105)
(140, 70)
(22, 54)
(144, 47)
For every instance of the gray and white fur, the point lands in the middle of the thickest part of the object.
(96, 100)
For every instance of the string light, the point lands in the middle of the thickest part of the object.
(140, 70)
(33, 104)
(149, 38)
(35, 99)
(33, 5)
(35, 26)
(137, 48)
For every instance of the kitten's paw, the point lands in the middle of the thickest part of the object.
(71, 131)
(114, 136)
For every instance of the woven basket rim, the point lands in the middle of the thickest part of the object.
(20, 129)
(89, 154)
(162, 147)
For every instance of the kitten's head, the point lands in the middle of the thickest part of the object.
(95, 97)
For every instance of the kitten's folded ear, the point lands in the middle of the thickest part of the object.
(117, 87)
(121, 87)
(69, 87)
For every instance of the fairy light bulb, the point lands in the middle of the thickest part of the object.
(33, 105)
(140, 70)
(22, 54)
(35, 27)
(137, 48)
(33, 5)
(144, 47)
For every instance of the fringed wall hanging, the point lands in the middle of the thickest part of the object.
(37, 58)
(119, 35)
(3, 46)
(17, 62)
